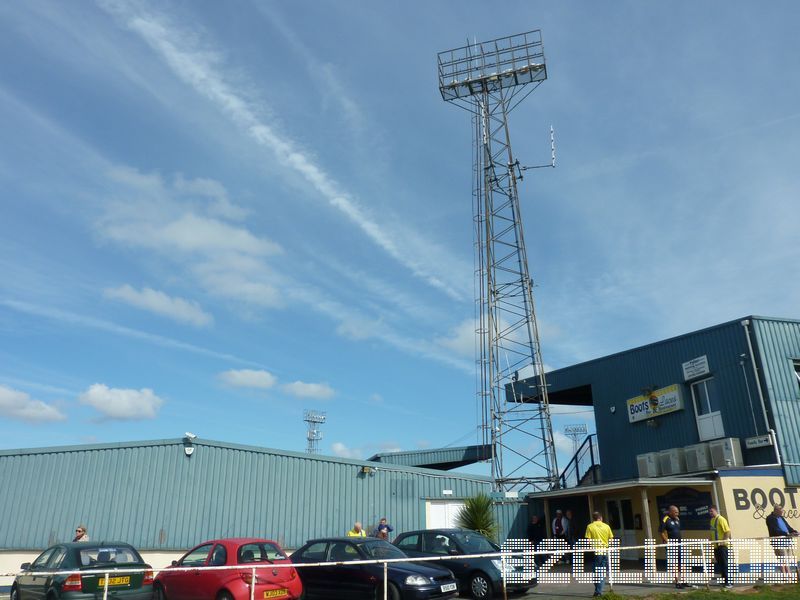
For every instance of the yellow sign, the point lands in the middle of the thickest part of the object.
(114, 581)
(656, 403)
(748, 501)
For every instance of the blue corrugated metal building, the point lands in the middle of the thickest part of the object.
(683, 398)
(171, 494)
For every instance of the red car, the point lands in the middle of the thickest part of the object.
(192, 578)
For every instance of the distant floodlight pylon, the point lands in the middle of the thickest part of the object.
(314, 419)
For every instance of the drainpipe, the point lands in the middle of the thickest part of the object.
(746, 324)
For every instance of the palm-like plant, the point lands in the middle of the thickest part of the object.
(478, 515)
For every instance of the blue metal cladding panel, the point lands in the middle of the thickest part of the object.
(435, 456)
(512, 519)
(615, 379)
(154, 496)
(778, 343)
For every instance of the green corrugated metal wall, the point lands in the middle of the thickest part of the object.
(778, 342)
(154, 496)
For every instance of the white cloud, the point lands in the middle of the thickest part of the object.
(339, 449)
(461, 339)
(19, 405)
(249, 378)
(122, 404)
(317, 391)
(160, 303)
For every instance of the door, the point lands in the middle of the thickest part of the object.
(179, 584)
(349, 581)
(31, 585)
(620, 519)
(707, 410)
(313, 578)
(435, 543)
(442, 514)
(206, 582)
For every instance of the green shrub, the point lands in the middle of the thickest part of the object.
(478, 515)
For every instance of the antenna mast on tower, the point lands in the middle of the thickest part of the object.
(489, 79)
(313, 419)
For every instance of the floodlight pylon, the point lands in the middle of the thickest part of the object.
(314, 420)
(490, 79)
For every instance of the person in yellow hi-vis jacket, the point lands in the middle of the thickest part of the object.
(720, 530)
(600, 534)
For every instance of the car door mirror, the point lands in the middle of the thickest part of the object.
(25, 566)
(174, 563)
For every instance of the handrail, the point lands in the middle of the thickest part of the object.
(573, 468)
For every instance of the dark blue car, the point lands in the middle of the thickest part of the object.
(480, 578)
(407, 581)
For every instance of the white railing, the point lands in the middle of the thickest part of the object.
(523, 563)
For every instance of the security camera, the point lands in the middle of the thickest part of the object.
(190, 436)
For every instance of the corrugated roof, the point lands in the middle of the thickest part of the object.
(154, 496)
(436, 458)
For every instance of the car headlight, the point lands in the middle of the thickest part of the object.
(498, 564)
(417, 580)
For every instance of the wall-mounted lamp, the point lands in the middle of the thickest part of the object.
(188, 446)
(367, 470)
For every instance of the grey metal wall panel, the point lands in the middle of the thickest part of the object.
(778, 343)
(154, 496)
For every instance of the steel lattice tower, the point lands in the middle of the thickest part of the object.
(490, 79)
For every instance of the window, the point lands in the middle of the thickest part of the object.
(315, 552)
(342, 552)
(409, 542)
(474, 543)
(57, 559)
(380, 549)
(705, 396)
(41, 561)
(196, 557)
(219, 557)
(436, 543)
(265, 552)
(796, 365)
(108, 554)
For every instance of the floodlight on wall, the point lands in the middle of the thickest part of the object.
(367, 470)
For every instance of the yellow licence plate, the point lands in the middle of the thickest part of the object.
(114, 581)
(275, 593)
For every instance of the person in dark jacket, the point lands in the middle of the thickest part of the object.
(535, 534)
(778, 527)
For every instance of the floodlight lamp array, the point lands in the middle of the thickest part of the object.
(491, 66)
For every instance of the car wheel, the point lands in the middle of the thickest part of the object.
(14, 594)
(480, 587)
(224, 595)
(159, 593)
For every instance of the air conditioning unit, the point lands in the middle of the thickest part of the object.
(672, 461)
(698, 457)
(726, 452)
(648, 464)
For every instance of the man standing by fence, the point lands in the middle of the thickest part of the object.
(600, 534)
(720, 530)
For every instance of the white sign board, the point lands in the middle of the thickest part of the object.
(759, 441)
(657, 403)
(696, 367)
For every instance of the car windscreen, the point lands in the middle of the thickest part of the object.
(474, 543)
(379, 549)
(259, 552)
(114, 553)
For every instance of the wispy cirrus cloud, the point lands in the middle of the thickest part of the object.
(189, 55)
(158, 302)
(70, 318)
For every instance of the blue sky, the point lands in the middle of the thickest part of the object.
(215, 216)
